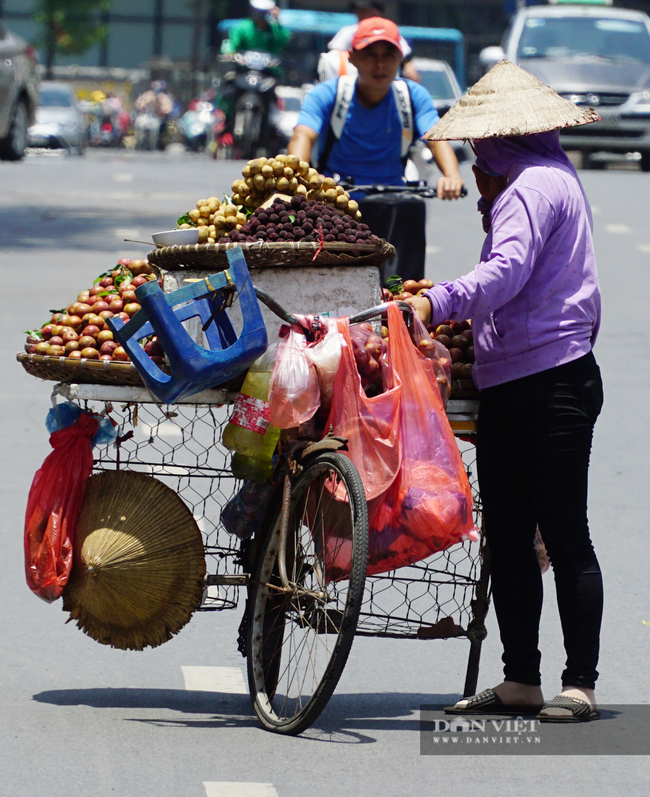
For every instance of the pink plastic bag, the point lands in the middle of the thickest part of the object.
(294, 392)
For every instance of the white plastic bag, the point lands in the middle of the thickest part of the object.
(294, 391)
(325, 357)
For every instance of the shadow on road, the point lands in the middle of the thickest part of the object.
(75, 228)
(345, 719)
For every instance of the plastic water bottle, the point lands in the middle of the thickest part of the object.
(249, 422)
(259, 467)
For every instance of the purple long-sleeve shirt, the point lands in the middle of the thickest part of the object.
(533, 299)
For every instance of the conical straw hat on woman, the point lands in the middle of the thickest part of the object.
(508, 101)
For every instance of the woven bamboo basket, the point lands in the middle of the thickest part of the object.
(95, 372)
(263, 254)
(84, 372)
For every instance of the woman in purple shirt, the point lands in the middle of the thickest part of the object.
(535, 308)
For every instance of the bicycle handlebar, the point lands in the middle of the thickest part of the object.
(289, 318)
(425, 191)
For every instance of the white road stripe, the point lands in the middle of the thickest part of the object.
(127, 232)
(225, 789)
(643, 248)
(431, 250)
(618, 228)
(122, 177)
(228, 680)
(164, 429)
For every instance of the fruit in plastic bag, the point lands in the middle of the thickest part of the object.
(437, 353)
(294, 393)
(325, 355)
(427, 504)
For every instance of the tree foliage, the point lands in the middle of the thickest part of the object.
(71, 27)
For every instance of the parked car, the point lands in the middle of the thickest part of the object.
(439, 80)
(18, 94)
(285, 115)
(60, 124)
(596, 56)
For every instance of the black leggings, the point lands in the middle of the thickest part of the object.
(533, 445)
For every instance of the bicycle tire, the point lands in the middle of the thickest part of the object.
(327, 558)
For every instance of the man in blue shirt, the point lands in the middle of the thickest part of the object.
(369, 149)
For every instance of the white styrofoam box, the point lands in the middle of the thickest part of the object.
(335, 291)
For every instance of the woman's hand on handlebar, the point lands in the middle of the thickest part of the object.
(422, 307)
(449, 187)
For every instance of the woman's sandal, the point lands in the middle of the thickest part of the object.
(488, 702)
(581, 711)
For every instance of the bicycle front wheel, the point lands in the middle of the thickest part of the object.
(300, 635)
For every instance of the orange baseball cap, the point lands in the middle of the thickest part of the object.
(376, 29)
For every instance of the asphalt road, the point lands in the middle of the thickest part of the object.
(80, 718)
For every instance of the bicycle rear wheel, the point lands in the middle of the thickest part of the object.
(300, 636)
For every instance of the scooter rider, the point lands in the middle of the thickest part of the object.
(365, 126)
(261, 32)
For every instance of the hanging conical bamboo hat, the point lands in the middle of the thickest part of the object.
(508, 101)
(138, 564)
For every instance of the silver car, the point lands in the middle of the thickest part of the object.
(60, 123)
(18, 94)
(595, 56)
(439, 80)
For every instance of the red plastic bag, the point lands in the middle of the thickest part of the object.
(437, 353)
(427, 504)
(294, 391)
(53, 505)
(371, 425)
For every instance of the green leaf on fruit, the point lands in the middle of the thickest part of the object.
(35, 333)
(395, 284)
(292, 218)
(108, 273)
(62, 310)
(185, 219)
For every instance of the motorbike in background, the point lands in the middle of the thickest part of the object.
(197, 126)
(250, 88)
(146, 127)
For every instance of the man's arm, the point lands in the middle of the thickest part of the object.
(302, 141)
(448, 186)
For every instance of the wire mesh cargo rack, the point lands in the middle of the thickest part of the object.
(444, 596)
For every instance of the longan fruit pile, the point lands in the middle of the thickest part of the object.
(287, 174)
(214, 219)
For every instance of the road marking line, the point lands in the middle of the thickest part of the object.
(228, 680)
(431, 250)
(618, 228)
(123, 177)
(127, 232)
(230, 789)
(164, 429)
(643, 248)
